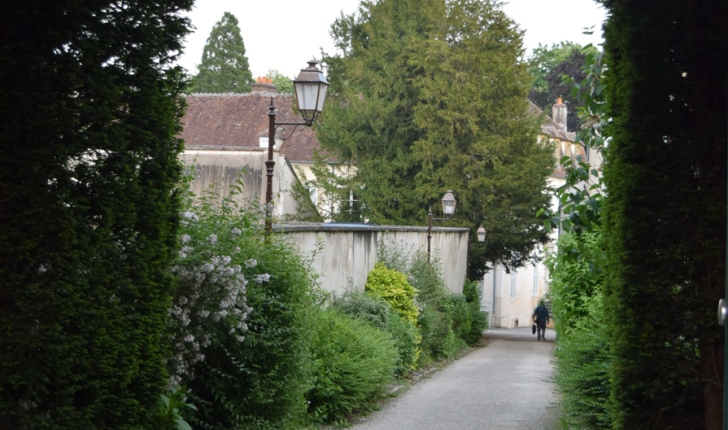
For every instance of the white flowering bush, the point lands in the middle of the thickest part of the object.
(240, 325)
(212, 287)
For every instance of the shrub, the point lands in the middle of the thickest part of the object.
(248, 365)
(353, 362)
(583, 356)
(461, 318)
(438, 338)
(392, 286)
(377, 313)
(371, 309)
(478, 318)
(582, 364)
(437, 309)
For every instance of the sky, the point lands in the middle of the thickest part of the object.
(284, 34)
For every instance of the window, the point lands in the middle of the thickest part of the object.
(313, 191)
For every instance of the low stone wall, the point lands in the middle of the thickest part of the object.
(350, 250)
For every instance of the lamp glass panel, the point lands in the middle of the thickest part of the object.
(481, 234)
(322, 98)
(307, 95)
(448, 206)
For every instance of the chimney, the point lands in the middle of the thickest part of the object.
(559, 113)
(263, 85)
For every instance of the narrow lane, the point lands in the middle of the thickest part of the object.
(501, 386)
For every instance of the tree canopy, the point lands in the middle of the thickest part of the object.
(283, 83)
(549, 66)
(224, 67)
(431, 96)
(90, 101)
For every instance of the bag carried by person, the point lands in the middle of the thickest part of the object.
(533, 328)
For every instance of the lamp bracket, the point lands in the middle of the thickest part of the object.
(308, 123)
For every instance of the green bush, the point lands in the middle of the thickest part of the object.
(242, 312)
(370, 309)
(478, 318)
(377, 313)
(437, 310)
(462, 319)
(438, 338)
(582, 364)
(353, 362)
(583, 356)
(392, 286)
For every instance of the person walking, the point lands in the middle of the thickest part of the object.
(541, 317)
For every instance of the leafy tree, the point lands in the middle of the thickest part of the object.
(283, 83)
(430, 96)
(665, 214)
(90, 102)
(224, 67)
(549, 66)
(544, 60)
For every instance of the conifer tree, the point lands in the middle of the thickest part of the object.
(224, 67)
(665, 211)
(430, 96)
(88, 213)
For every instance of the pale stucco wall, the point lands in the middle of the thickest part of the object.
(350, 251)
(224, 168)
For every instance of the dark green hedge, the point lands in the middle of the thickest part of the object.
(87, 210)
(665, 221)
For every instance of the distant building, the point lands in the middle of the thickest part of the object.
(226, 139)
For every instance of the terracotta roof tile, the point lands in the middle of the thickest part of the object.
(235, 121)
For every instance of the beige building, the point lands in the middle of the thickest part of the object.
(226, 140)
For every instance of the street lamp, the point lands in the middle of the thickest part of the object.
(481, 234)
(310, 90)
(448, 208)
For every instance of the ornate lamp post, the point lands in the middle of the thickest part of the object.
(448, 208)
(310, 90)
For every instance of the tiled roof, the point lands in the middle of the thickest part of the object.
(234, 121)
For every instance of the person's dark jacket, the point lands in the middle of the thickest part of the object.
(542, 315)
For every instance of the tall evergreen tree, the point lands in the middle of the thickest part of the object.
(428, 97)
(90, 105)
(665, 212)
(224, 67)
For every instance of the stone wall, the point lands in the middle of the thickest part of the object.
(349, 251)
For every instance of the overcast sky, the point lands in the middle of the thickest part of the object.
(285, 34)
